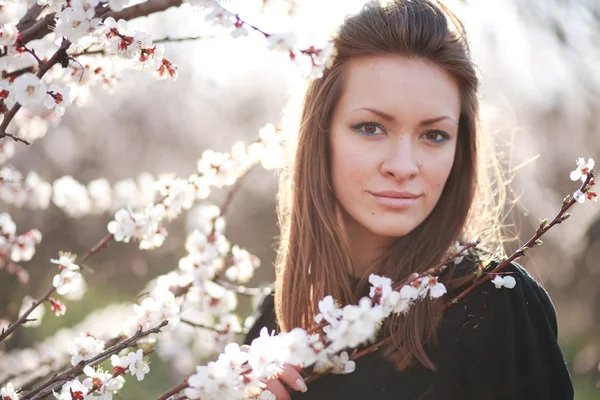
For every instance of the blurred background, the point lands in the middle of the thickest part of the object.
(540, 96)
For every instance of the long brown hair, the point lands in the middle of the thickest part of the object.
(313, 260)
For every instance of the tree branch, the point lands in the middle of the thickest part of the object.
(76, 370)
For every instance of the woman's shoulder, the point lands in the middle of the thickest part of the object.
(515, 295)
(264, 317)
(505, 337)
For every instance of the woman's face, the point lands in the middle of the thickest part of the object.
(393, 140)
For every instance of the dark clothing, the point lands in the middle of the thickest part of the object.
(497, 344)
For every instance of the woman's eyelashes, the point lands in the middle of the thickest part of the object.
(368, 128)
(435, 136)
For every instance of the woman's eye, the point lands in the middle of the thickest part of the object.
(437, 136)
(368, 128)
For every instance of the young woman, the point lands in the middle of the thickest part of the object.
(386, 177)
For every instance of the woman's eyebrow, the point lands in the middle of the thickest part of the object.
(391, 118)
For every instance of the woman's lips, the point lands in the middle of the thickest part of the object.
(395, 202)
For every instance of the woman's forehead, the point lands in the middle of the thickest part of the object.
(391, 83)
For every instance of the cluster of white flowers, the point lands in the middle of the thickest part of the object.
(581, 172)
(176, 194)
(85, 347)
(100, 384)
(69, 281)
(74, 198)
(312, 60)
(214, 170)
(103, 385)
(143, 225)
(54, 352)
(159, 306)
(78, 200)
(76, 19)
(230, 378)
(31, 191)
(205, 303)
(16, 248)
(136, 46)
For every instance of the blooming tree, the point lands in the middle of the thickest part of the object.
(44, 57)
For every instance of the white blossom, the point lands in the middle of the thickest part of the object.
(220, 16)
(506, 281)
(84, 348)
(358, 324)
(72, 390)
(8, 392)
(143, 225)
(77, 20)
(8, 34)
(65, 261)
(243, 266)
(28, 89)
(342, 364)
(68, 281)
(239, 31)
(283, 41)
(53, 5)
(119, 362)
(71, 196)
(23, 248)
(160, 306)
(455, 248)
(58, 98)
(100, 194)
(582, 169)
(7, 226)
(138, 366)
(103, 382)
(7, 151)
(329, 310)
(118, 5)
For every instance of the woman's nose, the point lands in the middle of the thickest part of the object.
(399, 161)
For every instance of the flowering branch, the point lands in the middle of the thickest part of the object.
(60, 56)
(76, 370)
(532, 242)
(23, 318)
(212, 328)
(157, 41)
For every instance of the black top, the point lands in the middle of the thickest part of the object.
(495, 344)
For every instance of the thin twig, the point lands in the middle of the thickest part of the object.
(174, 390)
(104, 242)
(212, 328)
(247, 291)
(23, 317)
(157, 41)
